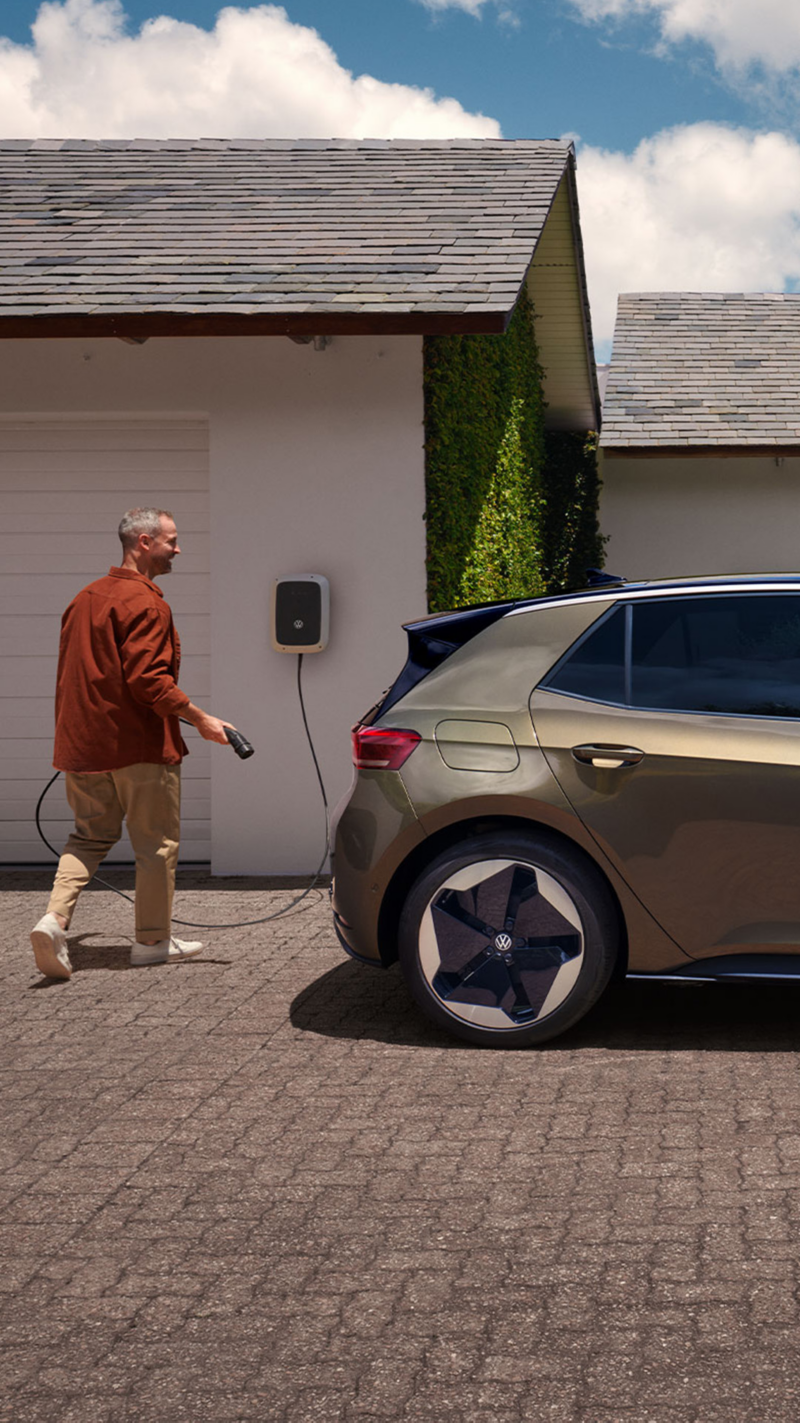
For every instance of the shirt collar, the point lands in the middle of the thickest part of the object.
(131, 573)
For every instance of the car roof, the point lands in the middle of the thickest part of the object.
(707, 580)
(619, 589)
(433, 639)
(613, 588)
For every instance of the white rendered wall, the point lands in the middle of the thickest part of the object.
(692, 516)
(316, 465)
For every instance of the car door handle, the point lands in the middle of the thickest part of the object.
(607, 758)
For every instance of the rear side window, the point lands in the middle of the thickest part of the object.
(595, 667)
(737, 654)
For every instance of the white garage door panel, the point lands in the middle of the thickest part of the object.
(51, 592)
(95, 472)
(36, 676)
(35, 553)
(63, 486)
(69, 522)
(31, 851)
(31, 635)
(21, 809)
(34, 766)
(194, 793)
(24, 718)
(60, 514)
(120, 434)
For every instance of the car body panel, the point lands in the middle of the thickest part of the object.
(491, 674)
(651, 950)
(705, 828)
(389, 814)
(471, 745)
(373, 829)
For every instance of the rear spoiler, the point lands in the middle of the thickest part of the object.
(432, 640)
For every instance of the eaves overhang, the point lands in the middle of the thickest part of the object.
(655, 452)
(141, 326)
(584, 289)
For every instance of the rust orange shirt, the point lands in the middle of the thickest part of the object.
(117, 694)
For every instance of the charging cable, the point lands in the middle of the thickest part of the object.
(243, 750)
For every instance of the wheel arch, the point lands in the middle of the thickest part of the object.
(439, 840)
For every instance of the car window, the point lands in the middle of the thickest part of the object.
(730, 653)
(734, 654)
(595, 667)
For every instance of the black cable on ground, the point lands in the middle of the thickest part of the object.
(243, 923)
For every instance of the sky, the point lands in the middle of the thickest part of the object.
(685, 114)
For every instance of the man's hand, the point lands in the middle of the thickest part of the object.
(210, 727)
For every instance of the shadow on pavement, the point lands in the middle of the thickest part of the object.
(109, 955)
(354, 1002)
(112, 956)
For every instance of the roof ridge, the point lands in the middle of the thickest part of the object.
(717, 296)
(277, 144)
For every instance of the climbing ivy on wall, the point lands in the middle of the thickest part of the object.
(571, 537)
(496, 529)
(504, 560)
(475, 388)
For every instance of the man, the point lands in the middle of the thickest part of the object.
(119, 742)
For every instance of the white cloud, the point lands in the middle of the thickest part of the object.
(256, 74)
(697, 208)
(741, 33)
(472, 7)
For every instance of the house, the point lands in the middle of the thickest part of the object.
(701, 435)
(234, 330)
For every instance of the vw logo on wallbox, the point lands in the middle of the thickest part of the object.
(300, 613)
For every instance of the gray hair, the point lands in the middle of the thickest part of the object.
(140, 521)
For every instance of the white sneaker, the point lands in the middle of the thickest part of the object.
(50, 948)
(165, 951)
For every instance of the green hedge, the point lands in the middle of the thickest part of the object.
(511, 511)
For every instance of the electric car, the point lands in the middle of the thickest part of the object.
(559, 791)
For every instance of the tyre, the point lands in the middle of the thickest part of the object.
(506, 940)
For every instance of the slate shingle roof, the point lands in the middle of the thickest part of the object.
(269, 235)
(713, 371)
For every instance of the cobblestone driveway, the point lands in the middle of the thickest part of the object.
(260, 1186)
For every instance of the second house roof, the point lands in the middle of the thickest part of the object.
(711, 372)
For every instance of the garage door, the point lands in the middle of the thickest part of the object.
(64, 485)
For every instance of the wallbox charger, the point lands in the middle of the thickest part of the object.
(301, 613)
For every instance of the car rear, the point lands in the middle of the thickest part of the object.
(453, 730)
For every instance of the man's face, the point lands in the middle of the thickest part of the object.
(163, 547)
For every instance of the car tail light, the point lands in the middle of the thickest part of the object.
(375, 749)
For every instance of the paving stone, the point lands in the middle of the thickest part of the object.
(349, 1217)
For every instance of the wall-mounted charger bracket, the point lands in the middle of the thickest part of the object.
(300, 619)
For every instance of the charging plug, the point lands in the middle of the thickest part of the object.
(239, 743)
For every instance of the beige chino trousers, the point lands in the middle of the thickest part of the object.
(148, 798)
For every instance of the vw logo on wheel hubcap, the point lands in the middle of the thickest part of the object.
(503, 943)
